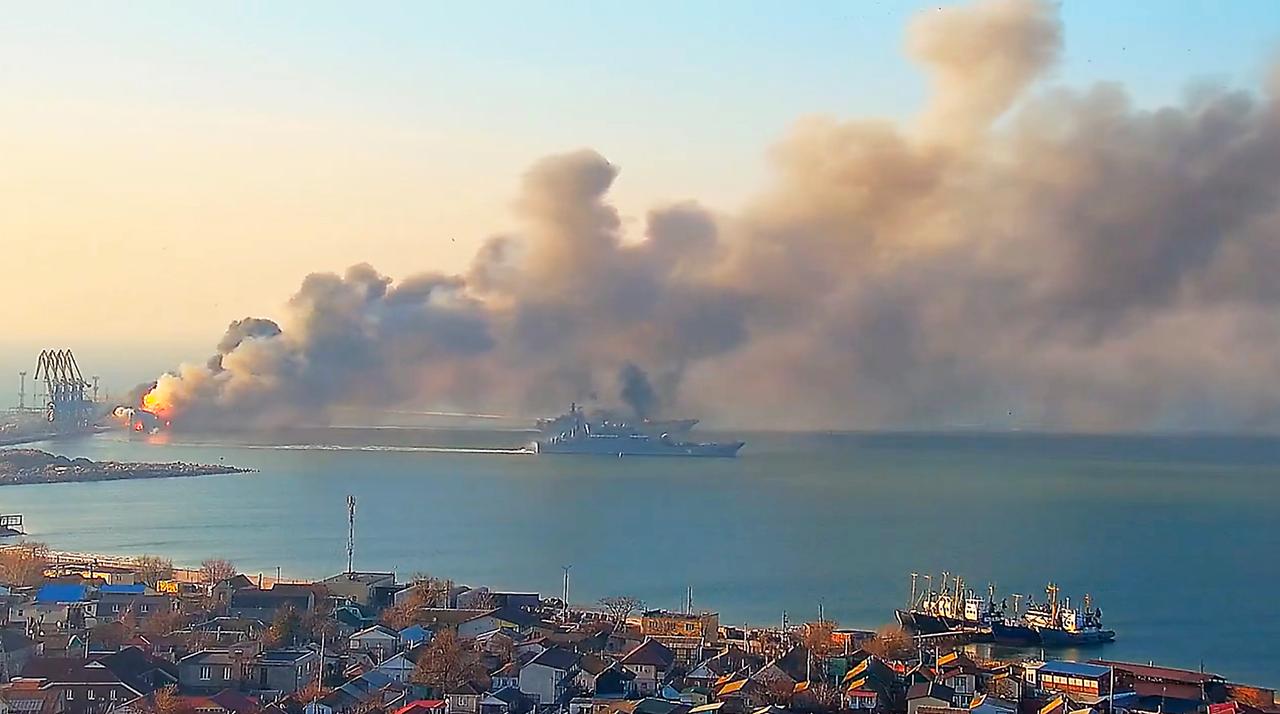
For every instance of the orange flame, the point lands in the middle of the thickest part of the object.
(154, 402)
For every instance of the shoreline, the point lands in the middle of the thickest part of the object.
(25, 467)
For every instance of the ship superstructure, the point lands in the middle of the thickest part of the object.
(603, 435)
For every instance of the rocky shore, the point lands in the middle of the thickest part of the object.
(24, 466)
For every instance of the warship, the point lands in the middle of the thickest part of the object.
(606, 435)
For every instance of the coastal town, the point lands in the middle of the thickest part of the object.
(86, 634)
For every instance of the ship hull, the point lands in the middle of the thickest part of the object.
(921, 623)
(1014, 635)
(634, 447)
(1052, 637)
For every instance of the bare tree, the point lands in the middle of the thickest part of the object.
(620, 607)
(152, 569)
(168, 701)
(216, 570)
(109, 635)
(24, 564)
(448, 663)
(284, 628)
(890, 642)
(818, 637)
(163, 623)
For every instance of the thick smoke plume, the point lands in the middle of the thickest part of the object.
(1017, 255)
(636, 391)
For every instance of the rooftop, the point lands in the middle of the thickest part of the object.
(1075, 669)
(1147, 671)
(556, 658)
(367, 578)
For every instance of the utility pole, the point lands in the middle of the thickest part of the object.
(22, 390)
(566, 569)
(351, 535)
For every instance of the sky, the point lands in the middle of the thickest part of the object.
(170, 166)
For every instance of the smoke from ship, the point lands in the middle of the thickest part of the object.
(1016, 255)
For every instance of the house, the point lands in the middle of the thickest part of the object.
(616, 682)
(546, 678)
(861, 699)
(514, 700)
(116, 601)
(775, 680)
(499, 643)
(683, 633)
(1187, 684)
(400, 666)
(530, 648)
(224, 702)
(369, 691)
(264, 604)
(650, 661)
(1081, 681)
(424, 706)
(26, 696)
(371, 589)
(957, 671)
(508, 618)
(284, 671)
(464, 699)
(414, 635)
(93, 686)
(64, 605)
(930, 696)
(18, 649)
(740, 694)
(508, 675)
(210, 671)
(730, 660)
(380, 641)
(991, 704)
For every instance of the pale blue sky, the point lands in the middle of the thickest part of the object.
(691, 85)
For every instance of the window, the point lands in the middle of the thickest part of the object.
(113, 694)
(226, 672)
(88, 694)
(206, 672)
(71, 694)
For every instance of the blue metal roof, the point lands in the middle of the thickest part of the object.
(414, 633)
(1075, 669)
(131, 589)
(62, 592)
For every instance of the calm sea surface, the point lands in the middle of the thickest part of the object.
(1177, 538)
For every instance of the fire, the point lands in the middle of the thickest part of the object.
(156, 403)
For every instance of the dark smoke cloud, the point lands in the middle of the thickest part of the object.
(636, 391)
(1053, 258)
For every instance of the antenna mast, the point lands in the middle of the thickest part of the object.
(351, 534)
